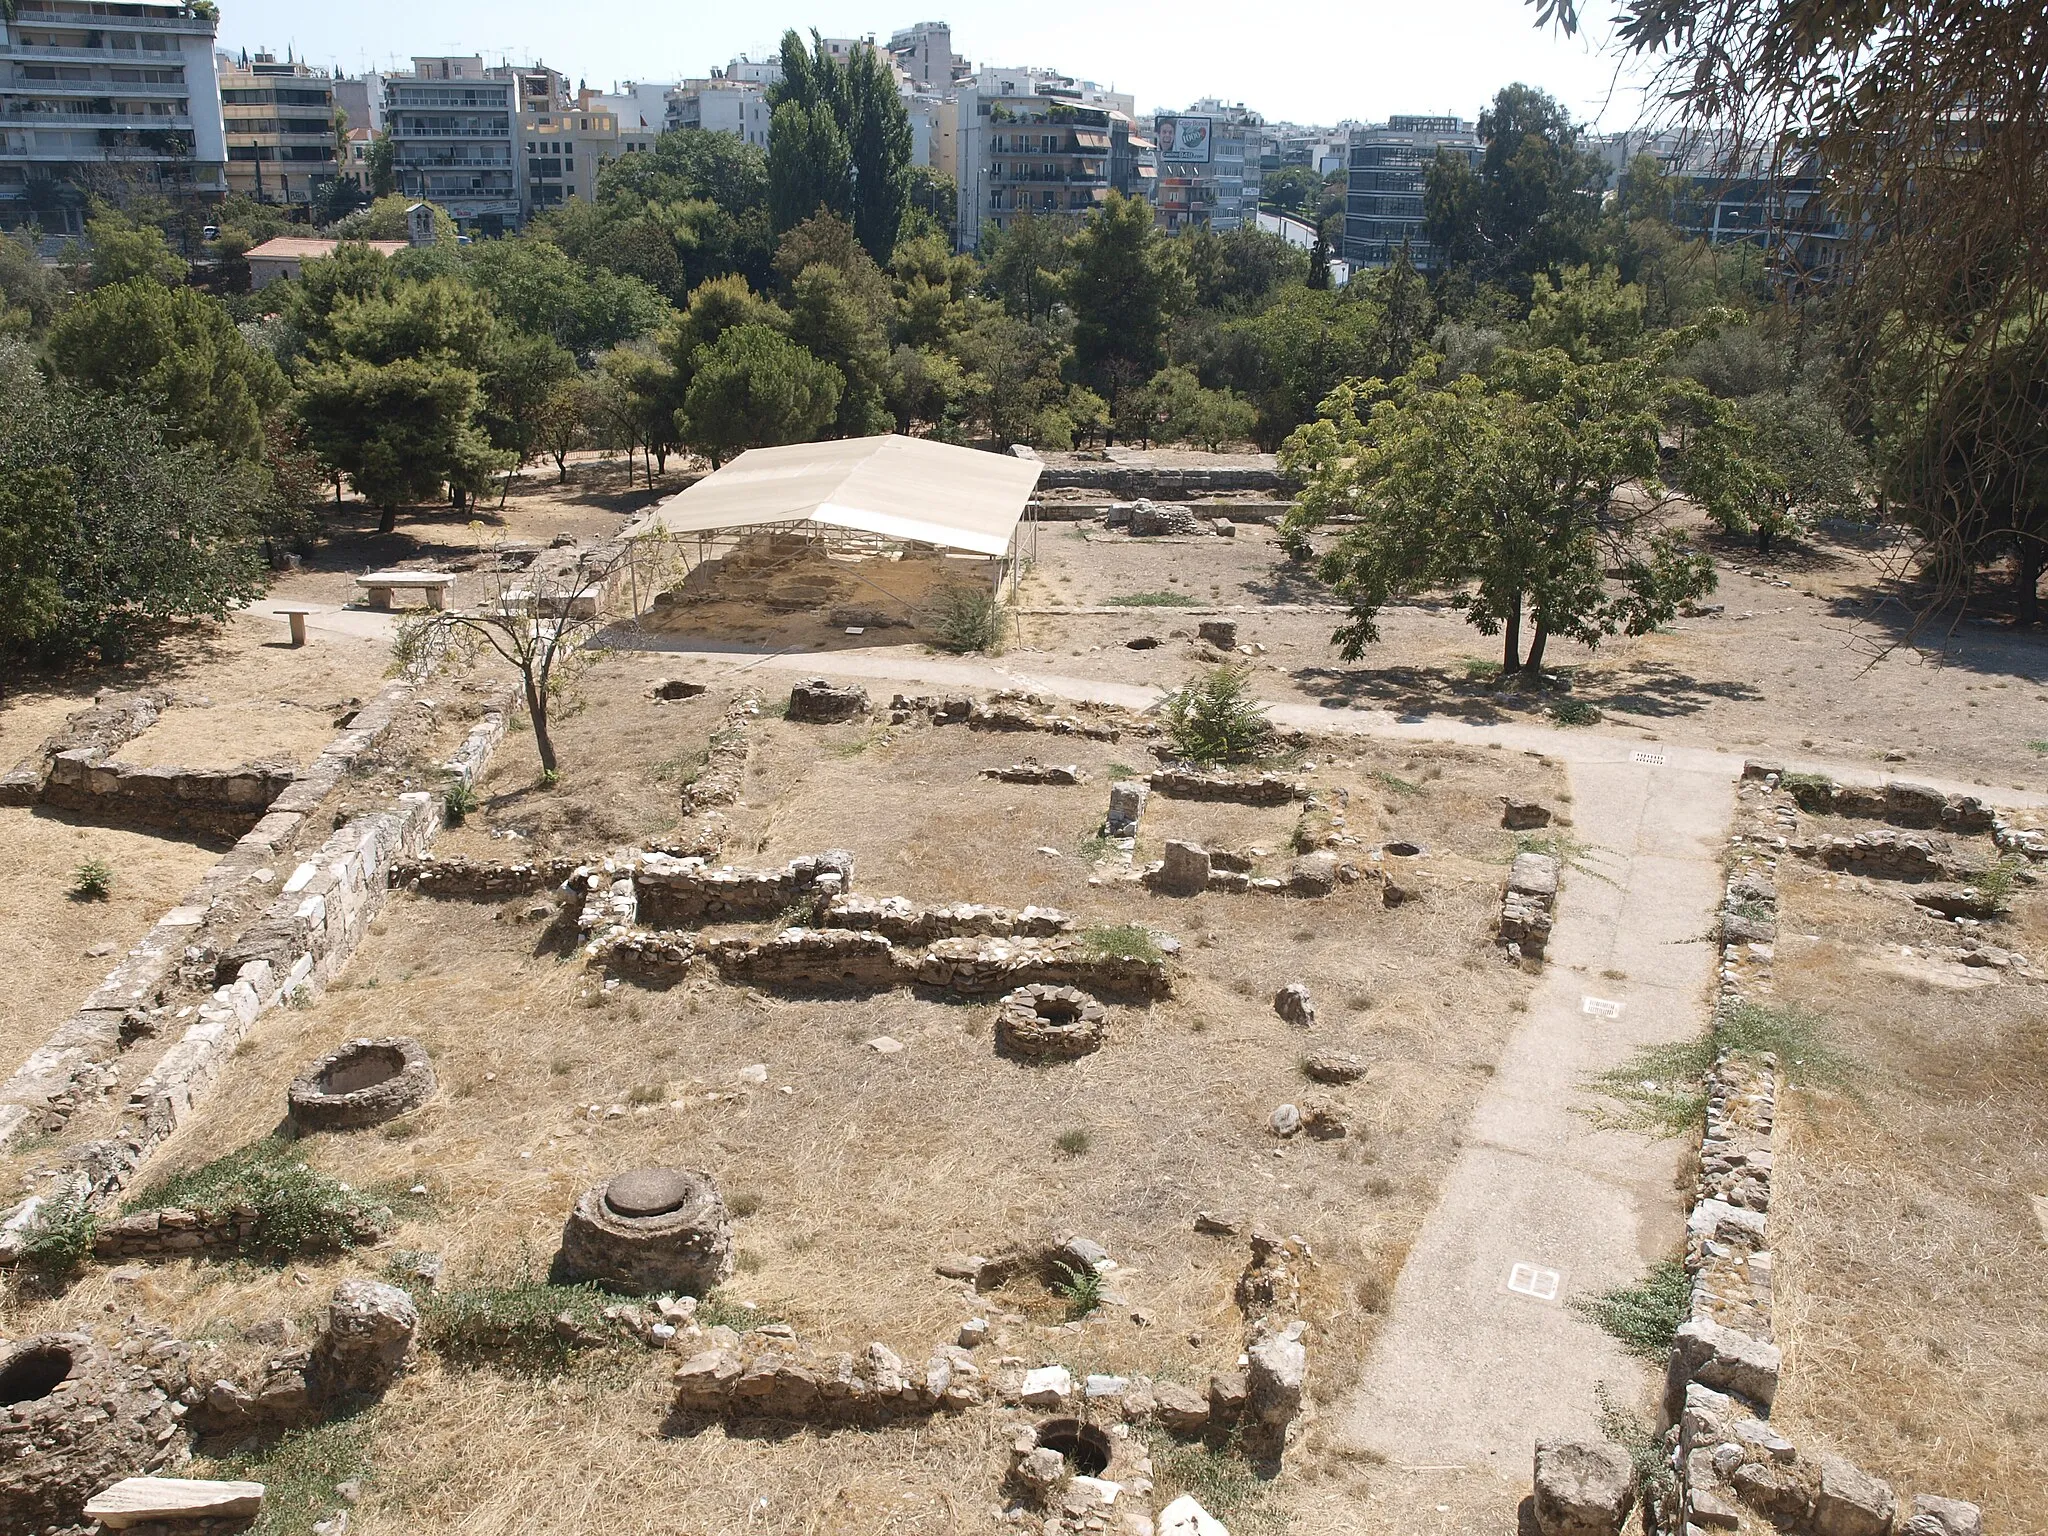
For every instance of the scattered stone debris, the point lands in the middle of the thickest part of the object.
(1031, 772)
(1526, 905)
(1523, 815)
(1334, 1067)
(1293, 1003)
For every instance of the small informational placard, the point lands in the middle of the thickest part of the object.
(1654, 759)
(1534, 1280)
(1602, 1007)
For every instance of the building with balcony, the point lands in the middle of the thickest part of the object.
(279, 124)
(924, 53)
(1032, 139)
(1384, 183)
(1220, 190)
(99, 97)
(728, 102)
(567, 144)
(454, 131)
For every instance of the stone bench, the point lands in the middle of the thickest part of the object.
(296, 618)
(433, 585)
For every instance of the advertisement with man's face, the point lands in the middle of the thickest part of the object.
(1185, 140)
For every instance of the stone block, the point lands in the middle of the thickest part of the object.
(1851, 1502)
(1934, 1516)
(1583, 1488)
(1185, 871)
(1728, 1360)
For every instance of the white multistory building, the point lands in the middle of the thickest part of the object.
(454, 136)
(95, 98)
(1036, 140)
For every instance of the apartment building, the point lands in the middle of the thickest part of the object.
(1384, 185)
(94, 96)
(568, 143)
(279, 123)
(454, 138)
(1032, 139)
(924, 53)
(362, 98)
(640, 104)
(1209, 166)
(725, 103)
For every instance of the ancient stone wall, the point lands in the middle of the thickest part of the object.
(111, 720)
(173, 1234)
(1158, 481)
(1240, 789)
(478, 879)
(222, 801)
(676, 893)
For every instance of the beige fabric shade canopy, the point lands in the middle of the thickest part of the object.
(906, 489)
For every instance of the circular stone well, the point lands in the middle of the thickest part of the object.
(1087, 1448)
(1044, 1023)
(649, 1230)
(365, 1082)
(73, 1418)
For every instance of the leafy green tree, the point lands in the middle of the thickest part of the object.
(830, 322)
(1025, 262)
(1529, 207)
(400, 431)
(122, 250)
(1182, 411)
(1012, 375)
(925, 388)
(107, 529)
(1587, 314)
(177, 350)
(1238, 270)
(535, 286)
(1302, 346)
(1538, 489)
(382, 159)
(1123, 290)
(755, 388)
(521, 383)
(838, 139)
(29, 292)
(1291, 189)
(1809, 466)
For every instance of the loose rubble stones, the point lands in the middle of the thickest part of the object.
(364, 1082)
(647, 1231)
(1523, 815)
(365, 1342)
(73, 1418)
(1047, 1023)
(1582, 1489)
(819, 702)
(1293, 1004)
(1334, 1067)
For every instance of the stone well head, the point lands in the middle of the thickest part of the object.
(74, 1417)
(365, 1082)
(1047, 1023)
(649, 1230)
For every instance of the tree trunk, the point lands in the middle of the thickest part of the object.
(1533, 667)
(537, 712)
(1766, 536)
(561, 467)
(1511, 646)
(2030, 559)
(388, 523)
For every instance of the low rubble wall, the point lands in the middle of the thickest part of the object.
(1163, 483)
(1255, 789)
(674, 893)
(113, 719)
(222, 801)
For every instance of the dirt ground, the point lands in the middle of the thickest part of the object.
(856, 1169)
(1802, 670)
(1911, 1295)
(55, 948)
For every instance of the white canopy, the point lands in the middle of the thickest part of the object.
(903, 488)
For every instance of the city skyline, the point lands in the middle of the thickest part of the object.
(1374, 59)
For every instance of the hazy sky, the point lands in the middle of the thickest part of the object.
(1293, 60)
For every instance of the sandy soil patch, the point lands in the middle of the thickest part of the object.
(1911, 1291)
(48, 940)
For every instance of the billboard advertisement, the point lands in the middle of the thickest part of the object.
(1185, 140)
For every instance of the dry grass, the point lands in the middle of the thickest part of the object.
(869, 1167)
(1911, 1287)
(45, 935)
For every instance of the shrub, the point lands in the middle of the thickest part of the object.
(459, 802)
(1646, 1315)
(512, 1318)
(968, 619)
(1081, 1288)
(1661, 1088)
(1131, 941)
(92, 881)
(298, 1209)
(1574, 712)
(1215, 719)
(60, 1239)
(1074, 1143)
(1996, 884)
